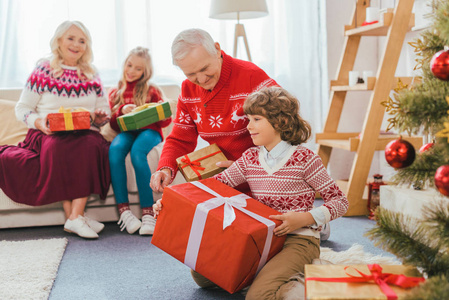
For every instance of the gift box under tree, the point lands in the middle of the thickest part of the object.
(360, 281)
(201, 164)
(192, 228)
(68, 119)
(144, 115)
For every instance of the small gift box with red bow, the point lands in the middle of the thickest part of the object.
(360, 281)
(68, 119)
(201, 164)
(217, 231)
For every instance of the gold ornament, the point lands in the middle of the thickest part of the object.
(444, 132)
(392, 106)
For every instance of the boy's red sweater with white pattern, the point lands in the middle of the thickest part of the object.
(217, 116)
(154, 96)
(289, 186)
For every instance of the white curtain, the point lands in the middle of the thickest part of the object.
(289, 44)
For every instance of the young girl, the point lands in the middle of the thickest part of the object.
(285, 176)
(134, 89)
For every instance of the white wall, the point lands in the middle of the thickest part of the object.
(339, 14)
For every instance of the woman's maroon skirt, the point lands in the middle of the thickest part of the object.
(49, 168)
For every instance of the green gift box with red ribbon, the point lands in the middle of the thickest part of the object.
(201, 164)
(360, 281)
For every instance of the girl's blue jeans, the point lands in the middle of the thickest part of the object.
(139, 143)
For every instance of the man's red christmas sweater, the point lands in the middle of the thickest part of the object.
(217, 115)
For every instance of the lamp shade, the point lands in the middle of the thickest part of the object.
(238, 9)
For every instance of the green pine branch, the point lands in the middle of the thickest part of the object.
(424, 108)
(435, 288)
(437, 224)
(441, 19)
(414, 247)
(422, 172)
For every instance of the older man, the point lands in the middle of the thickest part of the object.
(210, 104)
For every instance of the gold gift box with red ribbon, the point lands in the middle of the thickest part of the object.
(224, 235)
(201, 164)
(360, 281)
(68, 119)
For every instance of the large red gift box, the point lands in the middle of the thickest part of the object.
(67, 120)
(191, 224)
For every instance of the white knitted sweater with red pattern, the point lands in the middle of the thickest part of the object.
(290, 185)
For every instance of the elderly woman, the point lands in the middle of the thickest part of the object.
(65, 166)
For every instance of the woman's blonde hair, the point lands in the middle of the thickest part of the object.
(282, 111)
(84, 67)
(142, 85)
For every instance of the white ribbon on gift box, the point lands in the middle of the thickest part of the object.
(200, 216)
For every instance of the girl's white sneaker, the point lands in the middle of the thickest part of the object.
(148, 223)
(129, 221)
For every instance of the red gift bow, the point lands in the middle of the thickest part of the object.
(381, 279)
(196, 164)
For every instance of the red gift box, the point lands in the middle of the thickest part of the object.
(192, 228)
(67, 120)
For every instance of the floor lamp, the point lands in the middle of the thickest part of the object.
(238, 9)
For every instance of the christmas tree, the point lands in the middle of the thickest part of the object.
(423, 109)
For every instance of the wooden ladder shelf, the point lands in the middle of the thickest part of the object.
(394, 25)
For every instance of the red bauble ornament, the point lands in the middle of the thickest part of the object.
(439, 64)
(399, 153)
(426, 147)
(442, 180)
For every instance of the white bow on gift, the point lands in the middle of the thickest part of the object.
(229, 202)
(200, 216)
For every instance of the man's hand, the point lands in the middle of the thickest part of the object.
(128, 108)
(224, 164)
(291, 221)
(160, 180)
(41, 124)
(157, 207)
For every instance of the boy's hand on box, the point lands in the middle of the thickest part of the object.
(291, 221)
(224, 164)
(157, 207)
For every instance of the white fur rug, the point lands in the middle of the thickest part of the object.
(355, 256)
(28, 268)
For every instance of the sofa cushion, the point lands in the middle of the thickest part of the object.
(11, 131)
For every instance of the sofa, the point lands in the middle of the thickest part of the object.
(14, 214)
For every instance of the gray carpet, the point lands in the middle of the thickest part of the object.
(123, 266)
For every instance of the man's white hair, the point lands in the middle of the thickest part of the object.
(188, 39)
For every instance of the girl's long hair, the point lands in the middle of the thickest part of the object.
(143, 84)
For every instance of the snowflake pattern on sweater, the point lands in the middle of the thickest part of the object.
(44, 94)
(215, 115)
(289, 186)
